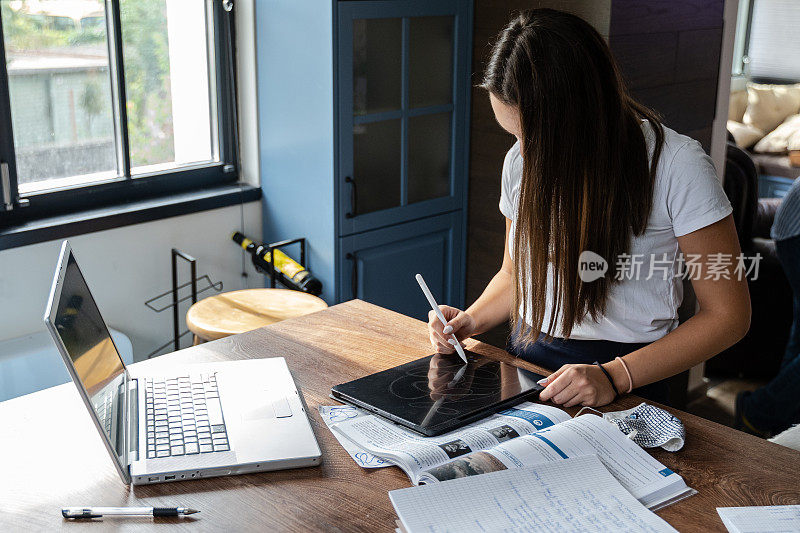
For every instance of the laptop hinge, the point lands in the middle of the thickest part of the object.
(133, 420)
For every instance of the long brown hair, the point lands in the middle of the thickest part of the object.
(587, 182)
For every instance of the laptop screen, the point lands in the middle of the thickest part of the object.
(88, 343)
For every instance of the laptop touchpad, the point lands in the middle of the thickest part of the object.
(277, 408)
(261, 412)
(282, 408)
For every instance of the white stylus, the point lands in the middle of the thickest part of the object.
(442, 319)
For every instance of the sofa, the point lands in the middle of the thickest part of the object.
(764, 119)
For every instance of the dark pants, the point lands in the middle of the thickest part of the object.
(776, 406)
(558, 352)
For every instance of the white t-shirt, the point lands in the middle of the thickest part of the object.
(687, 196)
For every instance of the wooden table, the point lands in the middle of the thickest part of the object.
(51, 455)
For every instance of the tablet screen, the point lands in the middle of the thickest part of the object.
(439, 392)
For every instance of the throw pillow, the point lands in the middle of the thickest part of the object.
(784, 138)
(737, 105)
(769, 105)
(744, 135)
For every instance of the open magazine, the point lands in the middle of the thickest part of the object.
(525, 435)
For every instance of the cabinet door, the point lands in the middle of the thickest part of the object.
(379, 266)
(403, 91)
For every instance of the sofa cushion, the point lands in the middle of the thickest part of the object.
(769, 105)
(744, 135)
(737, 105)
(782, 139)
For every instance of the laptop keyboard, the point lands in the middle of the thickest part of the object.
(184, 416)
(105, 412)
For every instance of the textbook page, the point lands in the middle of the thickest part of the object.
(336, 414)
(574, 495)
(413, 452)
(767, 519)
(643, 476)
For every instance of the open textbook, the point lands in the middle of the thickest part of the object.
(525, 435)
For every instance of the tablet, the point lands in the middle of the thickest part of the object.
(440, 393)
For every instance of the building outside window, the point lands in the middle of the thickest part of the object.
(102, 94)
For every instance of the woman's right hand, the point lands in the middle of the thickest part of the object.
(459, 324)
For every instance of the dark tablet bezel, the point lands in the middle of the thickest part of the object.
(448, 425)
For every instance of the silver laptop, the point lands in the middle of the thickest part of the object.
(193, 421)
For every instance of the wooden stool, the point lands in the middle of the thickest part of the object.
(235, 312)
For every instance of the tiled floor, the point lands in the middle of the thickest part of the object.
(718, 403)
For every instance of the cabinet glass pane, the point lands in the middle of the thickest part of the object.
(428, 157)
(376, 165)
(377, 65)
(430, 61)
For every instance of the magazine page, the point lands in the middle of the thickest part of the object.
(333, 415)
(413, 452)
(643, 476)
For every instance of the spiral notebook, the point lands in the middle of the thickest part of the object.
(577, 494)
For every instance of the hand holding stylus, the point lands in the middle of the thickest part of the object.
(446, 325)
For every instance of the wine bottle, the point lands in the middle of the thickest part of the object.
(288, 271)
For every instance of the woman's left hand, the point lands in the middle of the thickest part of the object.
(578, 385)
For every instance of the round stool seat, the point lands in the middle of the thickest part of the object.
(235, 312)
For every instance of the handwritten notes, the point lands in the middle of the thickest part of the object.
(572, 495)
(334, 414)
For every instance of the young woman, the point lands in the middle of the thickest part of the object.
(595, 172)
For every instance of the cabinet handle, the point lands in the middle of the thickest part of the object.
(5, 187)
(353, 274)
(353, 194)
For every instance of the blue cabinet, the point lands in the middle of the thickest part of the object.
(381, 264)
(363, 130)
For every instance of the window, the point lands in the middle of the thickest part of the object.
(740, 40)
(103, 102)
(773, 48)
(766, 47)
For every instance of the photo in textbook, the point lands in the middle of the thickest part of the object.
(525, 435)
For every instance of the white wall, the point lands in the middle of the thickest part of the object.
(126, 266)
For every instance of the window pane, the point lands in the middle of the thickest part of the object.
(428, 157)
(171, 118)
(61, 107)
(376, 65)
(430, 61)
(376, 163)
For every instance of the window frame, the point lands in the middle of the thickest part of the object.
(741, 45)
(127, 189)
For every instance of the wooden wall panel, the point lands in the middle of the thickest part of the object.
(660, 16)
(698, 54)
(684, 106)
(654, 67)
(669, 53)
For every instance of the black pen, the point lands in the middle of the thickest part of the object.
(97, 512)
